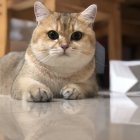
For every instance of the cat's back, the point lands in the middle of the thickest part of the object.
(10, 66)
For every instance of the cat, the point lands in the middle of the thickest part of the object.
(60, 59)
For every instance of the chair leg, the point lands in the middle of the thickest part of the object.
(3, 27)
(115, 35)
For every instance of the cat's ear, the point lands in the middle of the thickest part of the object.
(89, 13)
(40, 11)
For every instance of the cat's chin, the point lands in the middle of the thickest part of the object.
(65, 54)
(68, 63)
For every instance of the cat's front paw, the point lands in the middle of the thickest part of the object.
(38, 94)
(72, 92)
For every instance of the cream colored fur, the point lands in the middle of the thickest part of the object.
(46, 71)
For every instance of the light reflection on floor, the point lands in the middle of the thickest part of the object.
(114, 118)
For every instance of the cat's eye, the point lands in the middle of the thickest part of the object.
(76, 36)
(53, 35)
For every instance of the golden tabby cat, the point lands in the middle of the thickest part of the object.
(59, 62)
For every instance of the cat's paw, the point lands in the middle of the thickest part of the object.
(38, 94)
(72, 92)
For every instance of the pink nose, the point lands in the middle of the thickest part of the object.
(64, 47)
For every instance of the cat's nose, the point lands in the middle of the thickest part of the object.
(64, 46)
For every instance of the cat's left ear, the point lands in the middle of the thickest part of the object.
(40, 11)
(89, 13)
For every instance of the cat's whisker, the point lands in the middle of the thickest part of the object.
(45, 57)
(41, 53)
(85, 52)
(53, 51)
(41, 56)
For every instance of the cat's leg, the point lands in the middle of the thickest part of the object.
(79, 91)
(31, 90)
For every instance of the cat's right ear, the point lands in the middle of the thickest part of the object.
(89, 14)
(40, 11)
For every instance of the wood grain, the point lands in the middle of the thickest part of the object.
(3, 27)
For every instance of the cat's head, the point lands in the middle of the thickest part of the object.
(64, 39)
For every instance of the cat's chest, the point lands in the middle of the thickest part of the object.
(50, 79)
(55, 83)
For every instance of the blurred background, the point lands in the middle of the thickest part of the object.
(117, 26)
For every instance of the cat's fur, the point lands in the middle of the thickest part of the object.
(44, 71)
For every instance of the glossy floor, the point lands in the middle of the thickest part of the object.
(114, 118)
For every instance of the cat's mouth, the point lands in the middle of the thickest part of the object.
(64, 54)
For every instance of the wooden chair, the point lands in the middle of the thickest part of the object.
(21, 9)
(3, 27)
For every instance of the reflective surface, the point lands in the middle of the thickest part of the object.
(114, 118)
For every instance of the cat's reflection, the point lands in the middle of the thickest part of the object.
(71, 107)
(38, 109)
(60, 120)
